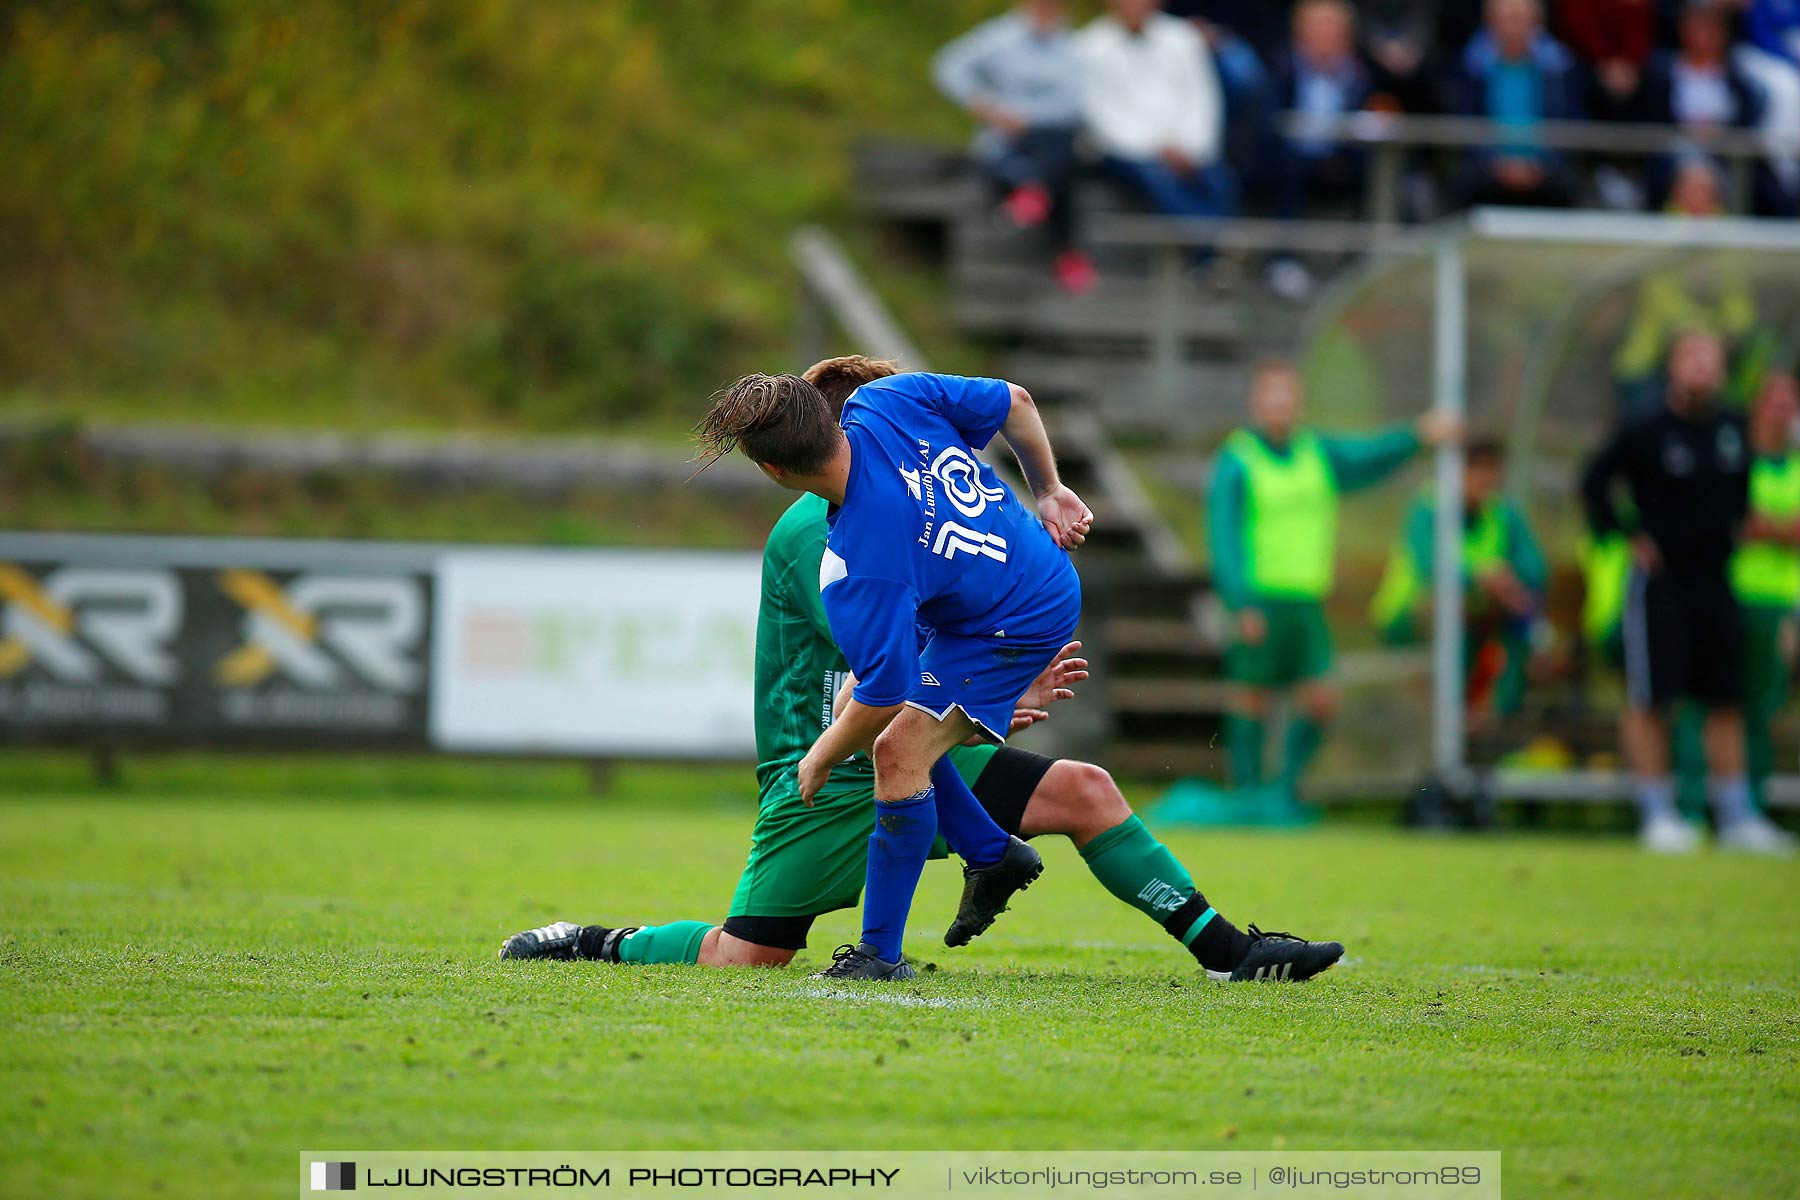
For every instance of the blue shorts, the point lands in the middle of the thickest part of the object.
(983, 676)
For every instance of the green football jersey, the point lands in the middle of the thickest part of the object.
(799, 669)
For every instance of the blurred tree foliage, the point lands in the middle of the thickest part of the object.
(545, 214)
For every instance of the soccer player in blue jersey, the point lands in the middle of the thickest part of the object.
(947, 596)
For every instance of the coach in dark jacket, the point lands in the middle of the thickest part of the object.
(1687, 471)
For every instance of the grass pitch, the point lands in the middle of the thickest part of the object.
(217, 966)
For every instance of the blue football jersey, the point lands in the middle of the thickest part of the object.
(928, 535)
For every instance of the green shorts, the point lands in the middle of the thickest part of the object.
(808, 861)
(1296, 649)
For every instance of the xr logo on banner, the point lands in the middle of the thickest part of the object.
(309, 630)
(77, 619)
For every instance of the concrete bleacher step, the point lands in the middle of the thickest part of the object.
(1179, 697)
(1207, 400)
(1218, 383)
(1164, 644)
(1024, 302)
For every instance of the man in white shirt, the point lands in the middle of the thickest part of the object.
(1152, 105)
(1018, 75)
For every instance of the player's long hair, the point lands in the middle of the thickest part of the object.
(836, 378)
(781, 420)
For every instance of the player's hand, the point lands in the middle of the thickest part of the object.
(1253, 627)
(1056, 682)
(1022, 719)
(1065, 516)
(1003, 119)
(1645, 554)
(1508, 591)
(813, 772)
(1436, 428)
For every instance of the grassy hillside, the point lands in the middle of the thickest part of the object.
(533, 214)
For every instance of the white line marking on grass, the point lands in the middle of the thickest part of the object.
(902, 999)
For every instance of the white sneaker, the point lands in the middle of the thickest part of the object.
(1757, 835)
(1669, 835)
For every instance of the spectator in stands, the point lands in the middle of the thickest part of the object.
(1399, 36)
(1272, 521)
(1319, 77)
(1261, 24)
(1777, 78)
(1518, 76)
(1687, 471)
(1774, 27)
(1018, 75)
(1503, 574)
(1696, 85)
(1615, 37)
(1235, 31)
(1151, 103)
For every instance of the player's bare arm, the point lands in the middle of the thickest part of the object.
(1061, 510)
(856, 728)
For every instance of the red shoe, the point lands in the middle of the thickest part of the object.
(1028, 205)
(1075, 272)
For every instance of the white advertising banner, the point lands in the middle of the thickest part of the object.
(611, 653)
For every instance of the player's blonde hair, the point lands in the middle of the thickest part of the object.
(836, 378)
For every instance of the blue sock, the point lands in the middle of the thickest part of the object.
(967, 826)
(904, 831)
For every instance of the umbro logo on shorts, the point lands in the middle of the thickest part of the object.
(929, 680)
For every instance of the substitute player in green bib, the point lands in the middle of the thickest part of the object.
(1765, 572)
(808, 860)
(1765, 575)
(1503, 580)
(1272, 519)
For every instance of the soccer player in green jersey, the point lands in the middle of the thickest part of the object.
(807, 860)
(1503, 573)
(1272, 520)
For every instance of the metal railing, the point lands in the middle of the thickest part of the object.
(1390, 137)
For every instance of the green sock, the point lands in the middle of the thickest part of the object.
(1131, 864)
(1759, 754)
(1303, 738)
(1244, 738)
(676, 942)
(1687, 759)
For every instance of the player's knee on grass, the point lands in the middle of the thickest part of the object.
(1076, 799)
(721, 949)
